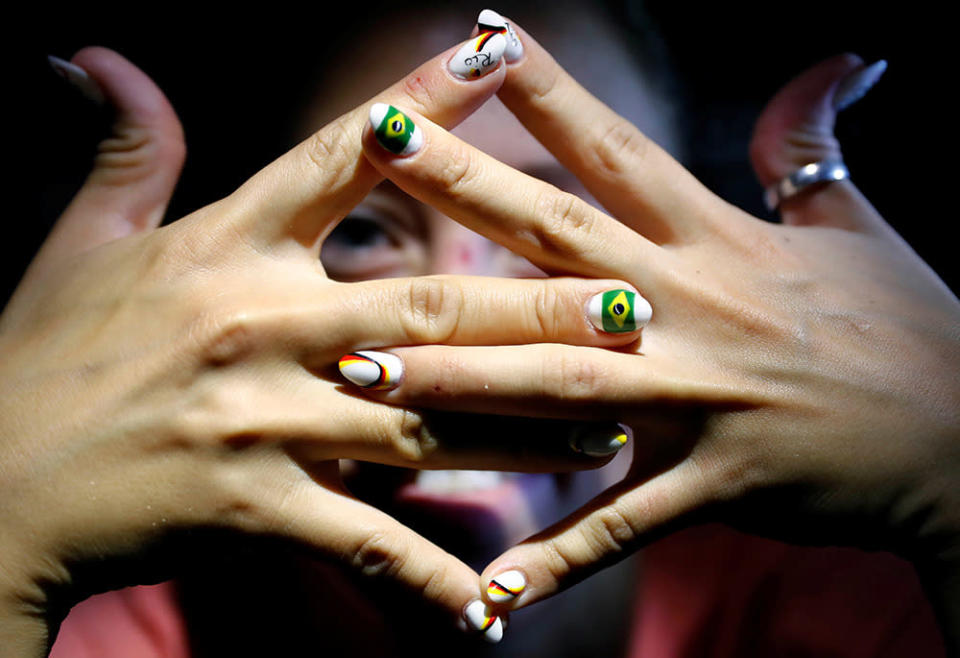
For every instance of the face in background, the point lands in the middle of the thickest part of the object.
(474, 515)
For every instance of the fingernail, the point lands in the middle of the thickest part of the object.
(478, 55)
(598, 441)
(480, 619)
(378, 371)
(77, 77)
(395, 131)
(618, 311)
(491, 21)
(857, 84)
(506, 586)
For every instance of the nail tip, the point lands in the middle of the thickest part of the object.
(77, 77)
(377, 112)
(594, 442)
(378, 371)
(478, 619)
(506, 586)
(856, 85)
(492, 19)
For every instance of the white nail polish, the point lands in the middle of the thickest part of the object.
(479, 619)
(491, 21)
(618, 311)
(378, 371)
(598, 442)
(506, 586)
(79, 78)
(477, 56)
(857, 84)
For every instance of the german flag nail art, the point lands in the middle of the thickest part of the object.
(377, 371)
(491, 21)
(619, 311)
(395, 131)
(477, 56)
(480, 619)
(506, 586)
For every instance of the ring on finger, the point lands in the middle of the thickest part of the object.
(807, 176)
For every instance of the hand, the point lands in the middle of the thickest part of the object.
(797, 380)
(160, 382)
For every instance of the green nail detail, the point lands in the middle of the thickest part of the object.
(616, 311)
(395, 130)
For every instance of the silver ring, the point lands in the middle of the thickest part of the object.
(825, 171)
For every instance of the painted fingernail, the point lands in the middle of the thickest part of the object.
(598, 441)
(857, 84)
(77, 77)
(618, 311)
(478, 55)
(506, 586)
(480, 619)
(395, 131)
(377, 371)
(491, 21)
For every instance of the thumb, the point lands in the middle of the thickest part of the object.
(796, 129)
(137, 165)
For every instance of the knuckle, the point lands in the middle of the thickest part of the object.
(558, 559)
(549, 310)
(575, 379)
(328, 152)
(733, 477)
(227, 337)
(376, 554)
(411, 440)
(609, 531)
(128, 154)
(419, 92)
(620, 146)
(459, 172)
(435, 584)
(434, 310)
(543, 87)
(566, 226)
(216, 414)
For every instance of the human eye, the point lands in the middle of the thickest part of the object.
(372, 242)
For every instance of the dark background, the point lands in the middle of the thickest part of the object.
(237, 80)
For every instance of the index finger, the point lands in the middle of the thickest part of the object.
(636, 180)
(319, 181)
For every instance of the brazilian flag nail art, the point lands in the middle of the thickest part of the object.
(395, 131)
(619, 311)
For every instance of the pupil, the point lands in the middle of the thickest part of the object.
(618, 309)
(397, 126)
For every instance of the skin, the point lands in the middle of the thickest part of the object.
(797, 380)
(715, 467)
(125, 441)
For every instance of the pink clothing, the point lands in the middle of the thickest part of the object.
(712, 591)
(705, 591)
(136, 622)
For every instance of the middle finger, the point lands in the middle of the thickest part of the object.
(554, 229)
